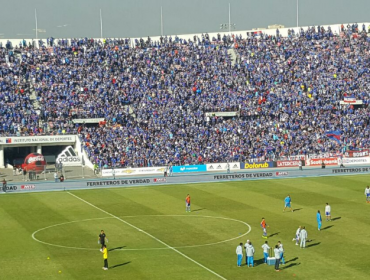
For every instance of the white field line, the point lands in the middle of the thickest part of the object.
(153, 237)
(143, 249)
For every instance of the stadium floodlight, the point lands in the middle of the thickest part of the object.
(297, 13)
(229, 25)
(101, 25)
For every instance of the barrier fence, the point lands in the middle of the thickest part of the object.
(234, 166)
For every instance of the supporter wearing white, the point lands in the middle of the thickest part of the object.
(328, 212)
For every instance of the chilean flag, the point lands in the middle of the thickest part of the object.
(334, 135)
(8, 140)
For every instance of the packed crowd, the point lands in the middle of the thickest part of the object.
(154, 97)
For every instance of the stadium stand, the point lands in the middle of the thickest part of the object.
(161, 100)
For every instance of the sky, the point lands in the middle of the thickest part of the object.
(142, 18)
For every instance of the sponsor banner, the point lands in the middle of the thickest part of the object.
(318, 161)
(351, 170)
(288, 163)
(68, 157)
(256, 165)
(282, 173)
(362, 153)
(96, 120)
(28, 187)
(133, 171)
(243, 176)
(9, 188)
(118, 182)
(189, 168)
(222, 114)
(8, 141)
(222, 166)
(354, 161)
(159, 180)
(352, 101)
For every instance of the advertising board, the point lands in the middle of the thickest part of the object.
(222, 166)
(318, 161)
(189, 168)
(288, 163)
(357, 160)
(134, 171)
(256, 165)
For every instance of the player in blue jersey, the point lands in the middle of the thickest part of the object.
(318, 219)
(288, 203)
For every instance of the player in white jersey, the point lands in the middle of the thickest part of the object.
(328, 212)
(296, 239)
(367, 193)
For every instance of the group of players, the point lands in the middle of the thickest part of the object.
(300, 236)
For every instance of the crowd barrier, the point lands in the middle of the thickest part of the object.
(234, 166)
(241, 175)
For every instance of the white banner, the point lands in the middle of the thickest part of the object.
(354, 161)
(8, 141)
(133, 171)
(223, 166)
(222, 114)
(68, 157)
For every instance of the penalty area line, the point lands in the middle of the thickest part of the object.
(148, 234)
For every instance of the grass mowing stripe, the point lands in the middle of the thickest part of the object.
(158, 240)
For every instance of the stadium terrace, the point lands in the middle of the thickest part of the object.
(267, 96)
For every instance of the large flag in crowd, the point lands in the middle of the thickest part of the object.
(334, 135)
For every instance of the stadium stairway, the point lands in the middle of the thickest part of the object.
(233, 55)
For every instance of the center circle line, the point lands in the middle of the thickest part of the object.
(141, 249)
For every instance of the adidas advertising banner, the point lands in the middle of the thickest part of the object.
(133, 171)
(222, 166)
(256, 165)
(354, 161)
(68, 157)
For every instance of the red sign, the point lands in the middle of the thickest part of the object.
(282, 173)
(287, 163)
(318, 161)
(363, 153)
(159, 180)
(28, 187)
(34, 163)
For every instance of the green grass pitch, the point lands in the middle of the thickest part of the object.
(152, 237)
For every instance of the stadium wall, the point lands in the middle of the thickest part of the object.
(183, 179)
(283, 32)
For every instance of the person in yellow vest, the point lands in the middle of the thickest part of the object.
(105, 257)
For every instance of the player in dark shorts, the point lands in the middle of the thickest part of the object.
(102, 239)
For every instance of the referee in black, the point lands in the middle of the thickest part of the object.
(102, 238)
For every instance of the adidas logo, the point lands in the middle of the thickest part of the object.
(219, 167)
(211, 167)
(68, 157)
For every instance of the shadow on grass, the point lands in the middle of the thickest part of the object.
(258, 262)
(276, 233)
(314, 244)
(289, 265)
(117, 248)
(327, 227)
(294, 210)
(118, 265)
(196, 210)
(292, 260)
(336, 218)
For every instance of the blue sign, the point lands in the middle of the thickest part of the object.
(189, 168)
